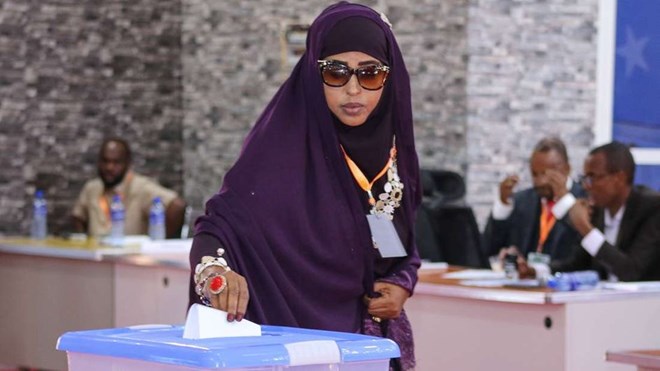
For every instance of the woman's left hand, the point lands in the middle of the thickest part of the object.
(390, 302)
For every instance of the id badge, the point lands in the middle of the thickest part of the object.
(385, 238)
(536, 258)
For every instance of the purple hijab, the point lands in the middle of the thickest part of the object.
(289, 213)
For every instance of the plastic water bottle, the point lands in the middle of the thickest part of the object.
(39, 227)
(511, 266)
(157, 220)
(185, 229)
(574, 281)
(117, 217)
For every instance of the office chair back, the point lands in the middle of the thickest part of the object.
(446, 227)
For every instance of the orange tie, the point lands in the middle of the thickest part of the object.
(546, 223)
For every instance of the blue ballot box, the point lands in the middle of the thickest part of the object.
(163, 348)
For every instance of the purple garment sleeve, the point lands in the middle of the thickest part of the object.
(404, 273)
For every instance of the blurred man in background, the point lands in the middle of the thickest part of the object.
(533, 220)
(91, 212)
(619, 224)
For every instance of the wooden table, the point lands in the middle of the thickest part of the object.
(48, 290)
(645, 360)
(458, 327)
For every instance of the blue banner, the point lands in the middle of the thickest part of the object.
(637, 74)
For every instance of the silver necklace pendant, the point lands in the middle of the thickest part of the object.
(391, 198)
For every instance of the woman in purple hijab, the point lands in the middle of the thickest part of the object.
(334, 145)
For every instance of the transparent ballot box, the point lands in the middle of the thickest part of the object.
(163, 348)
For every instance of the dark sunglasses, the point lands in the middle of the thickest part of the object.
(370, 77)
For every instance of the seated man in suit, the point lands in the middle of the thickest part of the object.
(91, 212)
(619, 224)
(533, 219)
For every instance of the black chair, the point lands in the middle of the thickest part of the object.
(443, 187)
(427, 243)
(446, 227)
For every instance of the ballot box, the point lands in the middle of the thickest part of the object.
(163, 348)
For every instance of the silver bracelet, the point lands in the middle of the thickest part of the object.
(210, 261)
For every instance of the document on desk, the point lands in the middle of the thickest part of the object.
(632, 286)
(504, 282)
(166, 246)
(434, 265)
(475, 274)
(128, 241)
(485, 283)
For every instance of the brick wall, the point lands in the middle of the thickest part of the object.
(184, 80)
(233, 65)
(532, 72)
(74, 72)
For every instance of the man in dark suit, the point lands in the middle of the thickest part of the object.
(621, 233)
(534, 219)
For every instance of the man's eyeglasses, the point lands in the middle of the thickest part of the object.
(589, 179)
(370, 77)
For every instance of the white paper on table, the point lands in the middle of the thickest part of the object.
(205, 322)
(178, 246)
(133, 240)
(434, 265)
(475, 274)
(504, 282)
(485, 283)
(632, 286)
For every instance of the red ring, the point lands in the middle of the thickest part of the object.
(217, 283)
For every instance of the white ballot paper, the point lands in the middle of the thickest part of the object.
(206, 322)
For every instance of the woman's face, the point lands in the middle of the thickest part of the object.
(351, 103)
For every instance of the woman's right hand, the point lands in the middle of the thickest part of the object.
(233, 299)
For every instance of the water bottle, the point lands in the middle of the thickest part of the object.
(157, 220)
(117, 216)
(511, 266)
(39, 228)
(185, 229)
(573, 281)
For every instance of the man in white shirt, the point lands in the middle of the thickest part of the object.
(619, 223)
(91, 212)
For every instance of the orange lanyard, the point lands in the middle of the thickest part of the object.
(362, 180)
(105, 207)
(545, 226)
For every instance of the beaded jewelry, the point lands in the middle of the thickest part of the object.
(389, 200)
(218, 280)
